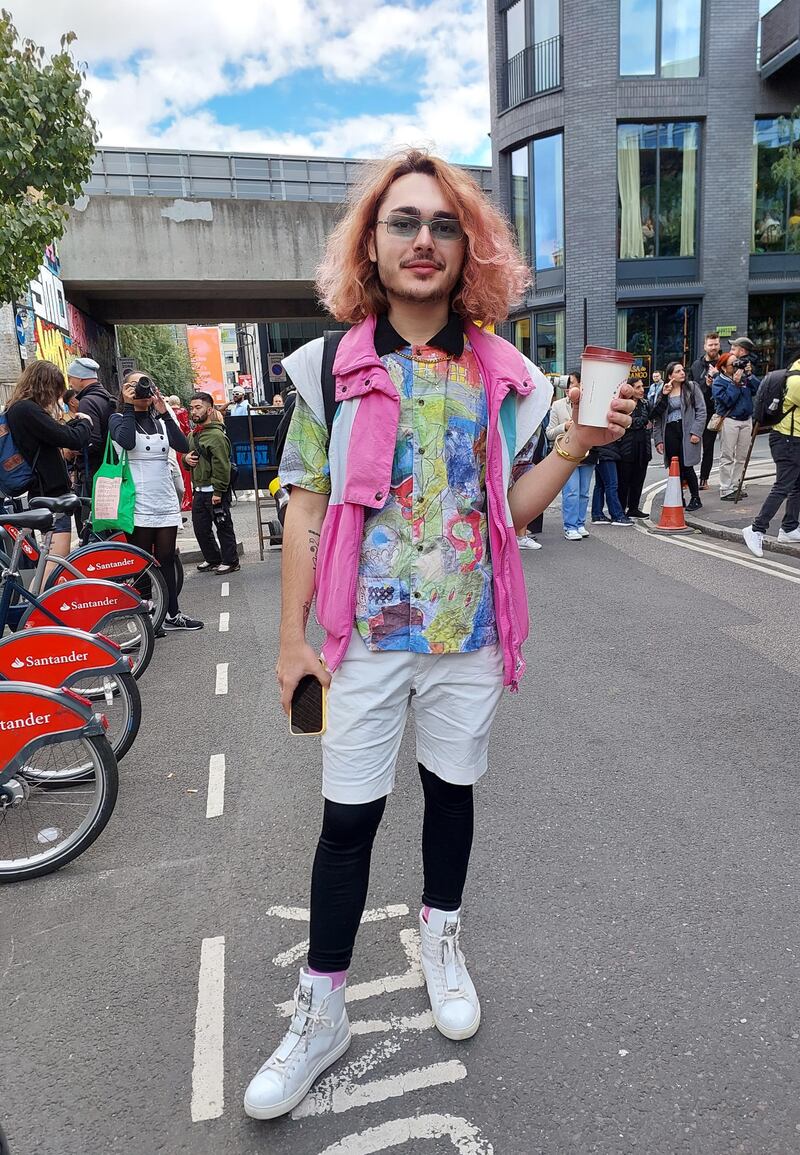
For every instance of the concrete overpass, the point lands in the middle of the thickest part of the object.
(157, 259)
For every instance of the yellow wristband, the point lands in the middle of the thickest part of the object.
(568, 456)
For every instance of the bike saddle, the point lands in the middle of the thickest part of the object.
(41, 519)
(69, 503)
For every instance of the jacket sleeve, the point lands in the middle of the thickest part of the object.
(217, 450)
(64, 435)
(556, 427)
(97, 440)
(754, 383)
(725, 394)
(658, 426)
(699, 423)
(122, 427)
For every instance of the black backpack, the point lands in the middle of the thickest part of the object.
(331, 339)
(769, 401)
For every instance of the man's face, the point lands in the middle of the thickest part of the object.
(418, 270)
(199, 411)
(656, 378)
(78, 383)
(740, 351)
(712, 348)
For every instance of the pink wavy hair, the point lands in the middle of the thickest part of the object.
(494, 277)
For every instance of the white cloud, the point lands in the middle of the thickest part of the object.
(154, 66)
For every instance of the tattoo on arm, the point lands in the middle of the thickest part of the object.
(306, 613)
(313, 545)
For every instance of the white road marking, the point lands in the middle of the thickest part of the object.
(208, 1069)
(754, 564)
(344, 1095)
(215, 801)
(402, 1023)
(408, 980)
(301, 914)
(224, 623)
(464, 1136)
(222, 678)
(226, 589)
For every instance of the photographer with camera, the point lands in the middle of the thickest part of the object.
(147, 431)
(209, 459)
(733, 390)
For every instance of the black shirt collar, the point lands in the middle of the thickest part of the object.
(450, 339)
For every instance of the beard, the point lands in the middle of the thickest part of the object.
(419, 293)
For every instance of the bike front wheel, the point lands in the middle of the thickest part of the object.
(46, 824)
(117, 697)
(135, 636)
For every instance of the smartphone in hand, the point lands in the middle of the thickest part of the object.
(307, 709)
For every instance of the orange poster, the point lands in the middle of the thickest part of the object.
(206, 355)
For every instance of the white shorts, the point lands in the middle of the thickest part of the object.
(454, 698)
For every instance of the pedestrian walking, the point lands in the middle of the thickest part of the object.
(36, 422)
(209, 459)
(575, 494)
(784, 445)
(635, 453)
(94, 400)
(679, 418)
(146, 430)
(418, 578)
(702, 372)
(733, 391)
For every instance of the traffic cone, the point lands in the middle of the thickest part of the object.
(672, 518)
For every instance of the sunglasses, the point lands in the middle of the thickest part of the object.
(407, 227)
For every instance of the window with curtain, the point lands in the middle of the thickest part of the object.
(657, 189)
(550, 340)
(660, 37)
(662, 333)
(515, 29)
(521, 199)
(776, 198)
(548, 203)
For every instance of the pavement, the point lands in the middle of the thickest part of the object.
(630, 921)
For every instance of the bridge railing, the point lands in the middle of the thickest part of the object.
(247, 176)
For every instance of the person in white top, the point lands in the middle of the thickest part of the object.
(575, 494)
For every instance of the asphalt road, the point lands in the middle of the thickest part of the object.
(631, 921)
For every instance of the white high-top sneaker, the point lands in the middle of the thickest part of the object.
(318, 1035)
(454, 1000)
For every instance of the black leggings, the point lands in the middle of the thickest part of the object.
(340, 878)
(673, 447)
(161, 543)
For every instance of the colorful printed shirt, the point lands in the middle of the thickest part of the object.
(425, 574)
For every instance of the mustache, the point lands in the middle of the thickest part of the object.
(416, 260)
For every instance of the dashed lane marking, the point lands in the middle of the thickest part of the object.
(222, 678)
(208, 1068)
(226, 589)
(224, 623)
(215, 801)
(301, 914)
(338, 1093)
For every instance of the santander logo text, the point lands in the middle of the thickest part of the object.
(101, 565)
(25, 723)
(96, 605)
(50, 660)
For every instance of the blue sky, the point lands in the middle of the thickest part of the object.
(325, 77)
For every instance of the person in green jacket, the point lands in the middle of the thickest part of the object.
(209, 459)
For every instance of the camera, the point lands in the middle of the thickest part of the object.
(741, 363)
(143, 388)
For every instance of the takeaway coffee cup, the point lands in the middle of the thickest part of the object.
(603, 371)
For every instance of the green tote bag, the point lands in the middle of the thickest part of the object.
(113, 492)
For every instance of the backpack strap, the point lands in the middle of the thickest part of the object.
(331, 339)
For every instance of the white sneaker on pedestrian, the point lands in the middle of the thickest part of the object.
(526, 542)
(792, 535)
(573, 535)
(318, 1035)
(454, 1000)
(753, 540)
(583, 531)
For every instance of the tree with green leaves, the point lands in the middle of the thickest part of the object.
(158, 352)
(47, 142)
(786, 169)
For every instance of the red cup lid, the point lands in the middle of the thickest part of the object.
(598, 353)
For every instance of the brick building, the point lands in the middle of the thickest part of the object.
(633, 148)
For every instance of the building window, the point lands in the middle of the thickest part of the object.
(550, 340)
(660, 37)
(657, 183)
(774, 326)
(522, 336)
(521, 199)
(658, 334)
(548, 210)
(776, 198)
(542, 216)
(532, 50)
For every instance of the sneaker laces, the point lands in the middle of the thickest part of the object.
(289, 1050)
(450, 960)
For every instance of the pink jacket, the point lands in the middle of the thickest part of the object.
(361, 453)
